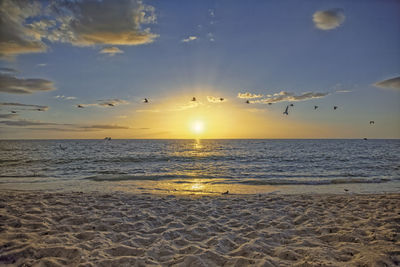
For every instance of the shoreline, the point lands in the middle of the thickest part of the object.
(117, 229)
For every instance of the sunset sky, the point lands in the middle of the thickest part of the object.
(107, 56)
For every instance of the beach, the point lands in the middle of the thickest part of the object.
(121, 229)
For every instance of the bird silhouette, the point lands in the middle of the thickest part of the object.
(193, 99)
(315, 107)
(247, 102)
(221, 99)
(291, 105)
(286, 111)
(110, 104)
(226, 193)
(371, 122)
(80, 106)
(270, 103)
(145, 100)
(12, 111)
(334, 107)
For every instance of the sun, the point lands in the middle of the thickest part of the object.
(197, 127)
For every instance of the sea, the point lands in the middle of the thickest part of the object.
(202, 166)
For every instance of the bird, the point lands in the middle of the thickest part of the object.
(247, 102)
(40, 109)
(270, 103)
(62, 148)
(371, 122)
(226, 193)
(315, 107)
(334, 107)
(145, 100)
(346, 190)
(286, 111)
(12, 111)
(80, 106)
(291, 105)
(193, 99)
(221, 99)
(110, 104)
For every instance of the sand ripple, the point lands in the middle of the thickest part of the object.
(93, 229)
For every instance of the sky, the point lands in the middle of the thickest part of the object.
(82, 69)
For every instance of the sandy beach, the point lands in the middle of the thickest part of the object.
(120, 229)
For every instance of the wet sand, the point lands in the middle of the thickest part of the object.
(121, 229)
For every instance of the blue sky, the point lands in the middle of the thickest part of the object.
(231, 47)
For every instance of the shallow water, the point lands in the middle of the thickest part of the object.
(203, 165)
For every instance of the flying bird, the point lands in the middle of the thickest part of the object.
(12, 111)
(193, 99)
(221, 99)
(40, 109)
(335, 108)
(286, 111)
(145, 100)
(371, 122)
(80, 106)
(315, 107)
(291, 105)
(226, 193)
(110, 104)
(247, 102)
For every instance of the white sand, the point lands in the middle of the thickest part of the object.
(93, 229)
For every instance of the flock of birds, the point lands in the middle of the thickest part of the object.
(286, 112)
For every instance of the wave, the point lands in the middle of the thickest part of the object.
(316, 182)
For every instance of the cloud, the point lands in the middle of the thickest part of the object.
(213, 99)
(8, 116)
(189, 39)
(111, 51)
(13, 85)
(23, 123)
(106, 103)
(105, 127)
(211, 37)
(286, 96)
(26, 24)
(248, 95)
(65, 126)
(328, 19)
(65, 97)
(35, 107)
(15, 36)
(392, 83)
(343, 91)
(9, 70)
(148, 110)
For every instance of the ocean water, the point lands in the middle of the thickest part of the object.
(243, 166)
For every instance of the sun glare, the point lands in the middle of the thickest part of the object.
(197, 127)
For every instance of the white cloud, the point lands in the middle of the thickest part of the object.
(189, 39)
(106, 103)
(111, 51)
(25, 24)
(65, 97)
(248, 95)
(343, 91)
(392, 83)
(328, 19)
(287, 96)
